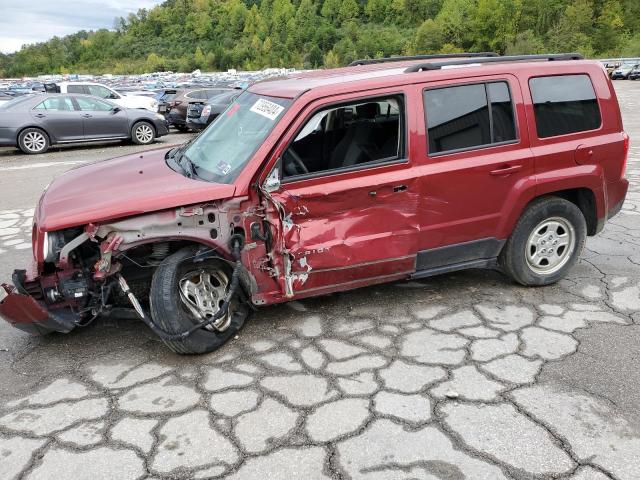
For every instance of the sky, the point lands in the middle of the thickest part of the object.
(31, 21)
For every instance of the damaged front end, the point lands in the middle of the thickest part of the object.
(79, 273)
(53, 296)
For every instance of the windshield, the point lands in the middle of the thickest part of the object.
(220, 153)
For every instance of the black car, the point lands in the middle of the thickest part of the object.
(201, 114)
(34, 122)
(173, 103)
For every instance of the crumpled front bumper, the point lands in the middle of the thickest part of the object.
(26, 313)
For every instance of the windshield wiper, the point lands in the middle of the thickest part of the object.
(187, 165)
(178, 157)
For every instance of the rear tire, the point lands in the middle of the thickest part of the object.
(172, 313)
(546, 242)
(33, 141)
(143, 133)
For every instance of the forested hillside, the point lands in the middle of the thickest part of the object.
(183, 35)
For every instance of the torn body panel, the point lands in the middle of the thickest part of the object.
(333, 234)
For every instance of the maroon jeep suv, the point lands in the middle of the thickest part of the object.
(386, 170)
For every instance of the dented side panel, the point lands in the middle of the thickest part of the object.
(336, 231)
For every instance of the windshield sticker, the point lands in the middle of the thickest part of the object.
(267, 109)
(224, 167)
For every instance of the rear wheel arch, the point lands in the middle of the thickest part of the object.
(583, 198)
(23, 140)
(52, 139)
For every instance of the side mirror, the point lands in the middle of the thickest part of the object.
(115, 110)
(272, 182)
(114, 96)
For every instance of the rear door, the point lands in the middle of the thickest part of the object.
(100, 120)
(474, 161)
(346, 213)
(59, 117)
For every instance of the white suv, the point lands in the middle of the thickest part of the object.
(102, 91)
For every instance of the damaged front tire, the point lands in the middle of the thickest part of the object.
(185, 292)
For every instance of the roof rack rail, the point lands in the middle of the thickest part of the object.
(514, 58)
(373, 61)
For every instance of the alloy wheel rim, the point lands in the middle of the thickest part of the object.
(202, 292)
(34, 141)
(550, 245)
(144, 133)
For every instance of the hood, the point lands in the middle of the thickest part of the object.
(122, 187)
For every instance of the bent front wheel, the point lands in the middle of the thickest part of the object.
(185, 293)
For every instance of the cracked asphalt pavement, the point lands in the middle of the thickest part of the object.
(461, 376)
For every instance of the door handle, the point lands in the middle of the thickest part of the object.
(87, 115)
(40, 115)
(399, 188)
(506, 170)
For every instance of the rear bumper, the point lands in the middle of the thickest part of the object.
(175, 118)
(25, 313)
(197, 123)
(8, 137)
(617, 194)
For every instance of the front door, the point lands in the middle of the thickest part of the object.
(100, 120)
(346, 207)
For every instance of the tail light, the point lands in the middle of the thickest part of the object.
(627, 141)
(206, 111)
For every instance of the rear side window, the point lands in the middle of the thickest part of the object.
(62, 104)
(564, 104)
(75, 89)
(469, 116)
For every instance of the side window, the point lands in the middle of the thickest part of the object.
(93, 104)
(469, 116)
(347, 135)
(75, 89)
(61, 104)
(98, 91)
(564, 104)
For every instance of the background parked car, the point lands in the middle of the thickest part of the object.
(635, 73)
(201, 114)
(174, 103)
(623, 71)
(33, 123)
(102, 91)
(611, 67)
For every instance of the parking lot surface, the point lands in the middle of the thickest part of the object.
(461, 376)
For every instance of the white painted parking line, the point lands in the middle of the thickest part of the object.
(40, 165)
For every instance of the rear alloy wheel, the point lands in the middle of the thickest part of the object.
(33, 141)
(143, 133)
(550, 245)
(185, 293)
(545, 243)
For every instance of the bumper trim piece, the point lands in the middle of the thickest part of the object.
(27, 314)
